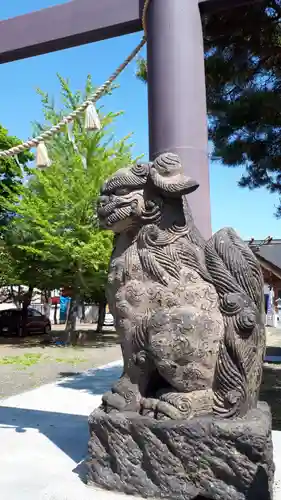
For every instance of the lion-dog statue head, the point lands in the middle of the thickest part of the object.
(139, 194)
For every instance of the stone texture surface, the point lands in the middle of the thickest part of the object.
(182, 420)
(202, 457)
(189, 312)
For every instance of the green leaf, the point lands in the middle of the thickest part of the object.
(53, 236)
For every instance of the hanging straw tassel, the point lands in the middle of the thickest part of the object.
(42, 157)
(92, 121)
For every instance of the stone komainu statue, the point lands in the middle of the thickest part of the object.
(189, 313)
(190, 318)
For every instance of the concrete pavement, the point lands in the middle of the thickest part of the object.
(44, 435)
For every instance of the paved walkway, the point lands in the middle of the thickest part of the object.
(273, 337)
(44, 434)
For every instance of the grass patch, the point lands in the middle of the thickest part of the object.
(30, 359)
(71, 361)
(21, 361)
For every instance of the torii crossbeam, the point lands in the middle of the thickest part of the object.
(176, 86)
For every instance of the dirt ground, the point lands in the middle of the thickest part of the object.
(33, 361)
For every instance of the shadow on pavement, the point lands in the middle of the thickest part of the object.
(273, 355)
(67, 431)
(96, 381)
(60, 428)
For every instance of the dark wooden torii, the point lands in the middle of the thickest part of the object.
(176, 86)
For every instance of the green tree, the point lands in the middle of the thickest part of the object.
(55, 234)
(11, 171)
(8, 269)
(243, 77)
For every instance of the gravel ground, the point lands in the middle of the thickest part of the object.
(273, 337)
(31, 362)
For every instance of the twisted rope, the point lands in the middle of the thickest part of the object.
(24, 146)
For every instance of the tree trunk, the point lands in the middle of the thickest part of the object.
(101, 318)
(15, 296)
(70, 329)
(55, 314)
(46, 304)
(83, 311)
(27, 297)
(25, 304)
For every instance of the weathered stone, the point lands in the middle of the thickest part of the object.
(189, 313)
(206, 456)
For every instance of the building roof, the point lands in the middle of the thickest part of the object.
(268, 250)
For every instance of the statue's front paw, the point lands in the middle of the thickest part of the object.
(112, 402)
(116, 402)
(159, 410)
(124, 388)
(181, 405)
(166, 411)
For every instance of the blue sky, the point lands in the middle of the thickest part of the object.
(249, 212)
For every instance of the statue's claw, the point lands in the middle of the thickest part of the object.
(116, 401)
(166, 411)
(111, 402)
(180, 405)
(148, 407)
(160, 410)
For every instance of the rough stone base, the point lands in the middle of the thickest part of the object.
(181, 460)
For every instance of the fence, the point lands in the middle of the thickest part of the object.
(91, 312)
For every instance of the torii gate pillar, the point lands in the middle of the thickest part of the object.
(177, 96)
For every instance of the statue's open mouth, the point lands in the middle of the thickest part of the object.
(109, 217)
(105, 213)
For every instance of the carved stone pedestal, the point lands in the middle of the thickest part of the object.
(203, 457)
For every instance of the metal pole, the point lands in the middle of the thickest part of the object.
(177, 95)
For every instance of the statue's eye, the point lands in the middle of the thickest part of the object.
(121, 191)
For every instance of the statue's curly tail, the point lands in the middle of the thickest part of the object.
(238, 280)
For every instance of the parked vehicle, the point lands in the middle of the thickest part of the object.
(12, 321)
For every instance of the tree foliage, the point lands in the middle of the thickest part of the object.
(54, 235)
(11, 170)
(8, 270)
(243, 78)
